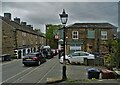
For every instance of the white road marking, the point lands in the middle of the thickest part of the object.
(25, 75)
(24, 71)
(16, 75)
(47, 73)
(21, 78)
(10, 62)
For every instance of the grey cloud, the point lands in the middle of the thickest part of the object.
(60, 0)
(41, 13)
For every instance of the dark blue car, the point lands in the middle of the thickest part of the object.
(34, 59)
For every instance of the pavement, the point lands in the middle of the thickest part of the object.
(78, 74)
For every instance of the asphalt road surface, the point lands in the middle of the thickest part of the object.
(15, 72)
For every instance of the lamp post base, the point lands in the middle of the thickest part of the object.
(64, 77)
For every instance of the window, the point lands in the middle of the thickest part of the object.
(75, 54)
(91, 34)
(75, 35)
(31, 39)
(104, 35)
(84, 54)
(36, 37)
(23, 42)
(23, 34)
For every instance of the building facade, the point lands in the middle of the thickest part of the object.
(18, 38)
(0, 37)
(90, 37)
(118, 34)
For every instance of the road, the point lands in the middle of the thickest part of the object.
(16, 72)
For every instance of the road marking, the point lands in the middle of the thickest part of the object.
(10, 62)
(47, 73)
(21, 78)
(16, 75)
(25, 75)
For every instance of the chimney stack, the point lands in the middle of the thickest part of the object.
(7, 16)
(17, 20)
(23, 23)
(29, 26)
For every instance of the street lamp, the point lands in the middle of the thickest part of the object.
(64, 18)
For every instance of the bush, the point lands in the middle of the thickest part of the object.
(107, 59)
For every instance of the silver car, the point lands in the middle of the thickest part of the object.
(77, 57)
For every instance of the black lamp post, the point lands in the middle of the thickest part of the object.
(64, 18)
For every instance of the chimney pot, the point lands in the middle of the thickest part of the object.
(23, 23)
(17, 20)
(7, 16)
(29, 25)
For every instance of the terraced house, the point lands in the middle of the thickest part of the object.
(90, 37)
(18, 38)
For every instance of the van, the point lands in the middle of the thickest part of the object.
(47, 52)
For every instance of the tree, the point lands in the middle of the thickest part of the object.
(110, 58)
(51, 31)
(116, 50)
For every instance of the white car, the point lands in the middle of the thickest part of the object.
(66, 58)
(77, 57)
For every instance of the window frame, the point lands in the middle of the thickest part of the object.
(75, 34)
(91, 36)
(104, 35)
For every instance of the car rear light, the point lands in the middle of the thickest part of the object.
(34, 58)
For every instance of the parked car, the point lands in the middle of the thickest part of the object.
(77, 57)
(5, 57)
(66, 59)
(47, 52)
(54, 52)
(33, 59)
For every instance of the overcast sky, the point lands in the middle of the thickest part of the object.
(40, 13)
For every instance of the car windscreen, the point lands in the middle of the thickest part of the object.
(84, 54)
(74, 54)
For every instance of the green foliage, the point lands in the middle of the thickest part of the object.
(52, 31)
(115, 52)
(107, 59)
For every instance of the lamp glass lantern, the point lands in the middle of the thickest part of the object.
(63, 17)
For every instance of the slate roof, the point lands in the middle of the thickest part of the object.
(18, 26)
(91, 25)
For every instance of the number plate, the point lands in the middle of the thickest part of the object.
(28, 59)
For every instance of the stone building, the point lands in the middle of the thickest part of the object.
(90, 37)
(18, 38)
(118, 34)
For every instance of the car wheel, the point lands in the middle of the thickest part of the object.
(67, 62)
